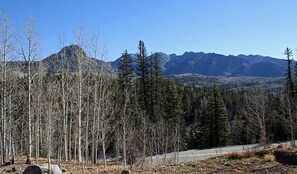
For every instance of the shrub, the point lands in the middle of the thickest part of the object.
(263, 152)
(234, 155)
(240, 155)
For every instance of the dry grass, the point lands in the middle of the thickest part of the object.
(235, 155)
(71, 167)
(240, 155)
(269, 158)
(261, 153)
(260, 161)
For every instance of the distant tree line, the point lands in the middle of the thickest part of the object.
(86, 116)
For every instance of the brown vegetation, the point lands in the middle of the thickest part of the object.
(258, 161)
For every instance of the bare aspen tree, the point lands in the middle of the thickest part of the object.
(62, 40)
(11, 128)
(125, 119)
(105, 105)
(37, 126)
(106, 115)
(87, 118)
(6, 35)
(177, 140)
(144, 141)
(81, 43)
(100, 87)
(12, 107)
(29, 52)
(51, 117)
(49, 130)
(70, 131)
(87, 112)
(37, 88)
(257, 111)
(94, 48)
(290, 117)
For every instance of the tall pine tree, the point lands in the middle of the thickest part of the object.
(173, 103)
(125, 71)
(174, 115)
(143, 73)
(295, 82)
(216, 120)
(289, 86)
(289, 106)
(155, 91)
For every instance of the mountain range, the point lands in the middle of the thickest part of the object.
(212, 64)
(207, 64)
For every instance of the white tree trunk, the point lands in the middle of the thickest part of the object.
(80, 42)
(94, 122)
(87, 124)
(49, 136)
(125, 118)
(29, 113)
(79, 115)
(70, 133)
(258, 113)
(29, 55)
(5, 50)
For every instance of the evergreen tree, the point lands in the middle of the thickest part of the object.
(195, 136)
(289, 85)
(155, 92)
(143, 92)
(237, 131)
(173, 103)
(278, 128)
(151, 91)
(143, 73)
(126, 83)
(295, 82)
(125, 71)
(117, 98)
(289, 104)
(216, 120)
(174, 115)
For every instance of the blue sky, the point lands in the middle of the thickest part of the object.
(264, 27)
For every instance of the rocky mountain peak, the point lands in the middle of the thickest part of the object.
(73, 51)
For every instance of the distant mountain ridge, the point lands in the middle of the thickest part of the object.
(67, 58)
(71, 53)
(212, 64)
(207, 64)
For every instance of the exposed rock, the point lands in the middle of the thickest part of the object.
(55, 169)
(32, 170)
(125, 172)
